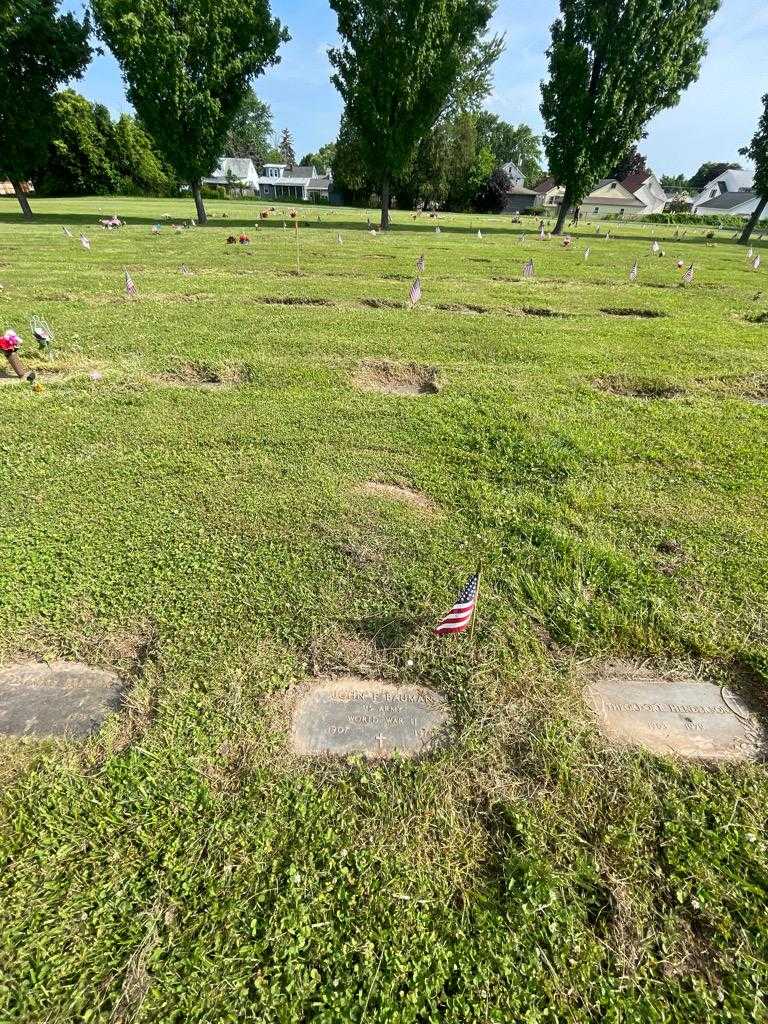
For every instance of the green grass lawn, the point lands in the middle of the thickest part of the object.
(213, 543)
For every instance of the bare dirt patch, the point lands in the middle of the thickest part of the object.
(758, 318)
(202, 376)
(540, 311)
(295, 300)
(462, 307)
(398, 492)
(644, 314)
(626, 387)
(382, 304)
(406, 379)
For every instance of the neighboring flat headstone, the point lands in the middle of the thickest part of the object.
(60, 698)
(363, 716)
(687, 717)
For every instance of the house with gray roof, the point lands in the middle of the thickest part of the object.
(235, 172)
(281, 181)
(729, 181)
(736, 204)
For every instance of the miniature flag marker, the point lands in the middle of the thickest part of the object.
(130, 287)
(751, 253)
(67, 232)
(479, 233)
(85, 242)
(415, 293)
(528, 268)
(185, 271)
(421, 264)
(633, 272)
(463, 612)
(339, 239)
(586, 253)
(688, 275)
(756, 262)
(655, 247)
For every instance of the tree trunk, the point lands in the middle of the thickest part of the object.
(751, 224)
(23, 201)
(202, 216)
(385, 205)
(563, 212)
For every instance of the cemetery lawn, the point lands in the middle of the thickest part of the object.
(212, 543)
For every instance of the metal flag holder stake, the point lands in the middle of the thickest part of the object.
(43, 334)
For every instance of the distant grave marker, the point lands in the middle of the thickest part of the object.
(368, 717)
(689, 717)
(60, 698)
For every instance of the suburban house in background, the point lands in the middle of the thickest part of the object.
(728, 181)
(515, 175)
(519, 198)
(736, 204)
(234, 171)
(277, 181)
(647, 188)
(610, 197)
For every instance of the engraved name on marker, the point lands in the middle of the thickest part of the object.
(688, 717)
(375, 719)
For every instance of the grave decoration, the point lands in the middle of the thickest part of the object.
(10, 343)
(43, 335)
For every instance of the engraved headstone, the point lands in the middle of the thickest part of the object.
(60, 698)
(362, 716)
(687, 717)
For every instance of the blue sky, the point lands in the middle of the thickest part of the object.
(716, 116)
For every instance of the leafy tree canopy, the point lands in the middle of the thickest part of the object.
(631, 163)
(250, 132)
(322, 159)
(396, 69)
(188, 68)
(757, 151)
(508, 142)
(39, 50)
(613, 64)
(287, 153)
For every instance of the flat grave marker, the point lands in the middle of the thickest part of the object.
(60, 698)
(689, 717)
(368, 717)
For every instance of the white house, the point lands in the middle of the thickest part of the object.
(737, 204)
(515, 175)
(280, 181)
(235, 171)
(728, 181)
(609, 197)
(647, 188)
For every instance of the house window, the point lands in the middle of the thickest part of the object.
(621, 212)
(596, 209)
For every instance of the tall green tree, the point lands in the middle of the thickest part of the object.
(250, 132)
(286, 149)
(396, 68)
(39, 49)
(322, 159)
(613, 65)
(188, 66)
(510, 142)
(631, 162)
(757, 151)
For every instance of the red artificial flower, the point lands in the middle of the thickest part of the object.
(10, 341)
(244, 239)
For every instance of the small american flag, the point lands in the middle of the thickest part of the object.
(183, 270)
(633, 272)
(751, 253)
(655, 247)
(528, 268)
(437, 230)
(688, 275)
(586, 253)
(415, 293)
(85, 242)
(339, 239)
(130, 287)
(479, 234)
(67, 232)
(541, 233)
(522, 240)
(756, 262)
(421, 264)
(460, 616)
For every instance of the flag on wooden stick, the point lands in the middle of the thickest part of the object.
(462, 613)
(130, 287)
(421, 264)
(415, 293)
(688, 275)
(528, 268)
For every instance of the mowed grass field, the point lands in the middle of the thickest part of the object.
(215, 546)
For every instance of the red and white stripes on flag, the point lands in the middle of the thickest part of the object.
(460, 616)
(528, 268)
(633, 272)
(421, 264)
(415, 293)
(756, 262)
(688, 275)
(130, 287)
(85, 242)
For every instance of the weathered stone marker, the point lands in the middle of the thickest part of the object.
(687, 717)
(363, 716)
(60, 698)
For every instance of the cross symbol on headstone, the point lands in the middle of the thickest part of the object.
(381, 739)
